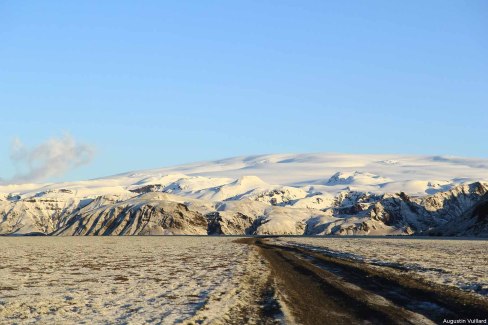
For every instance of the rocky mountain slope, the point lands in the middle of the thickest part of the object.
(317, 194)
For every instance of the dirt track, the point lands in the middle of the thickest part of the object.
(320, 289)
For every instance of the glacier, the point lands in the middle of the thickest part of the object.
(278, 194)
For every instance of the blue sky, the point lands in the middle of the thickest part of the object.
(155, 83)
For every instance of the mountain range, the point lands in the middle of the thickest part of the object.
(292, 194)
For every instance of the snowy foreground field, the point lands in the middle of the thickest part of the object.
(122, 280)
(216, 280)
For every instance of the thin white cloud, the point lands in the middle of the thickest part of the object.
(52, 158)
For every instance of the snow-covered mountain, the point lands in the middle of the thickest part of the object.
(311, 194)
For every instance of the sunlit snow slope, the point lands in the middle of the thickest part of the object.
(285, 193)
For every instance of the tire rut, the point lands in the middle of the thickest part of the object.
(321, 289)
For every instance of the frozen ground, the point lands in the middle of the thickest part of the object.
(213, 280)
(460, 263)
(125, 279)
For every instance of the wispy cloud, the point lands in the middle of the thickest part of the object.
(52, 158)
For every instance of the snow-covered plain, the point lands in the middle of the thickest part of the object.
(459, 263)
(192, 280)
(136, 280)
